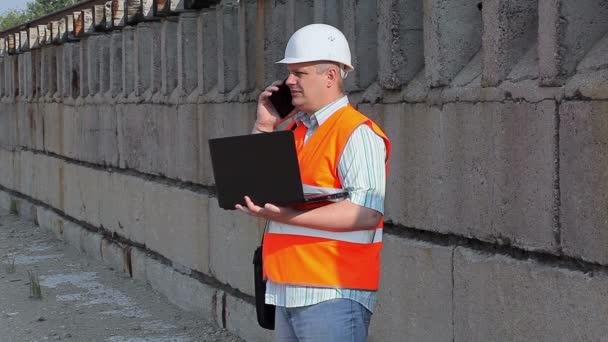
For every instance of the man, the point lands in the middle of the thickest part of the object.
(323, 264)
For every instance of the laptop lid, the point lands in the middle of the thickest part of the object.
(262, 166)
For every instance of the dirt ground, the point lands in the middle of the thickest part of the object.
(82, 299)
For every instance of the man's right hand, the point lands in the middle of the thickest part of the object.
(267, 118)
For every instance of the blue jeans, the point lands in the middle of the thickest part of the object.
(335, 320)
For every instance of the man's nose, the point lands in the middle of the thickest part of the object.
(291, 80)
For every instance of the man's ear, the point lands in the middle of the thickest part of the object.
(332, 76)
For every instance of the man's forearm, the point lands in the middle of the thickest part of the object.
(340, 216)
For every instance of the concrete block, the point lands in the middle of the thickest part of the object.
(233, 237)
(63, 30)
(73, 73)
(6, 171)
(333, 13)
(240, 318)
(94, 54)
(183, 291)
(400, 45)
(59, 65)
(567, 31)
(27, 171)
(5, 201)
(108, 15)
(66, 70)
(208, 63)
(134, 11)
(45, 72)
(228, 35)
(163, 7)
(594, 60)
(589, 85)
(115, 64)
(248, 48)
(33, 37)
(119, 13)
(181, 142)
(175, 222)
(410, 164)
(155, 57)
(143, 45)
(23, 41)
(49, 180)
(275, 41)
(220, 120)
(71, 132)
(138, 264)
(71, 234)
(103, 44)
(149, 9)
(50, 220)
(18, 42)
(89, 132)
(524, 173)
(468, 77)
(115, 255)
(462, 169)
(508, 31)
(140, 128)
(107, 135)
(187, 74)
(168, 56)
(87, 21)
(90, 244)
(121, 207)
(412, 273)
(498, 298)
(52, 71)
(84, 241)
(583, 179)
(84, 68)
(27, 210)
(2, 75)
(176, 5)
(452, 35)
(82, 193)
(69, 26)
(99, 17)
(129, 58)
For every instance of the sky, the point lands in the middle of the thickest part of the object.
(5, 5)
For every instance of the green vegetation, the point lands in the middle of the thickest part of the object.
(35, 290)
(34, 9)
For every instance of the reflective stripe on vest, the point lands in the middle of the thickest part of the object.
(355, 236)
(313, 257)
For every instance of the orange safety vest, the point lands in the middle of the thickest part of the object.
(313, 257)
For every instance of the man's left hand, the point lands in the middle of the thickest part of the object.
(268, 211)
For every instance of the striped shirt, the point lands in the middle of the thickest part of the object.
(362, 172)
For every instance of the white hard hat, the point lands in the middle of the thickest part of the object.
(318, 42)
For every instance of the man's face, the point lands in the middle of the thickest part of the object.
(307, 86)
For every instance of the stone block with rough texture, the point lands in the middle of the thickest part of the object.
(584, 179)
(497, 298)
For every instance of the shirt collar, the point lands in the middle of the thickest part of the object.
(320, 116)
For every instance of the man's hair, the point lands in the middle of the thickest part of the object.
(324, 66)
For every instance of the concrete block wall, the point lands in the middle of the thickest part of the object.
(495, 205)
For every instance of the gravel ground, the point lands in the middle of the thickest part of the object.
(82, 299)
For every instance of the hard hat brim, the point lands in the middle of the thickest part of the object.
(347, 67)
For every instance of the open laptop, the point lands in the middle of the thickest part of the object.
(262, 166)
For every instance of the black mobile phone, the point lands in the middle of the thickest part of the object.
(281, 100)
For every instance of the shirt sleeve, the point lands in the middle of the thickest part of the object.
(362, 168)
